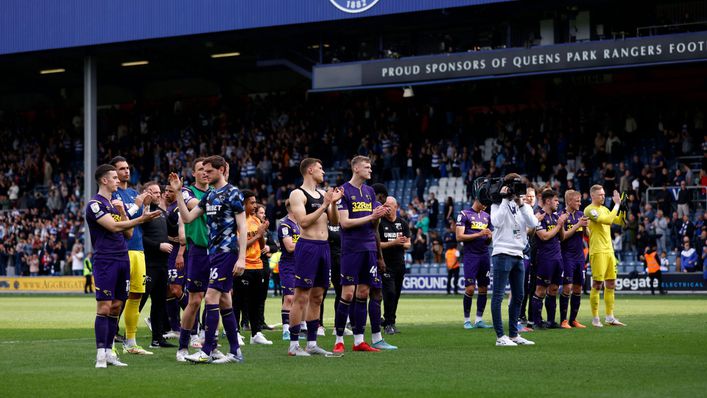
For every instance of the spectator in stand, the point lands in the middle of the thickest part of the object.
(683, 200)
(688, 257)
(449, 209)
(77, 260)
(687, 228)
(451, 257)
(419, 246)
(660, 225)
(424, 223)
(433, 209)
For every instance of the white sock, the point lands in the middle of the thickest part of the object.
(303, 325)
(311, 344)
(478, 319)
(467, 319)
(376, 337)
(101, 352)
(609, 317)
(130, 342)
(294, 345)
(285, 327)
(358, 339)
(339, 339)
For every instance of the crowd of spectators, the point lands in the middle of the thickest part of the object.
(562, 145)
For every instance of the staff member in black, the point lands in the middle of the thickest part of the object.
(395, 240)
(157, 249)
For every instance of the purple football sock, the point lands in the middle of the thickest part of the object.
(480, 304)
(294, 332)
(312, 327)
(360, 316)
(285, 317)
(112, 330)
(173, 313)
(184, 335)
(467, 305)
(229, 325)
(564, 301)
(575, 301)
(211, 327)
(536, 306)
(551, 307)
(342, 312)
(374, 312)
(100, 327)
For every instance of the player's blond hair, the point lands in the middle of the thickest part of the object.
(359, 159)
(571, 193)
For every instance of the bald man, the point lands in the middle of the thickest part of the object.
(395, 240)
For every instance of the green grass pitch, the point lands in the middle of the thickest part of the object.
(47, 349)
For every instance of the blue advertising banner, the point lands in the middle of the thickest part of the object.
(675, 282)
(687, 47)
(33, 25)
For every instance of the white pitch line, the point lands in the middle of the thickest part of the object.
(44, 341)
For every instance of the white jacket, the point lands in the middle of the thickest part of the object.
(510, 226)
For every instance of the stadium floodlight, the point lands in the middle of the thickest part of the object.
(50, 71)
(407, 92)
(135, 63)
(226, 55)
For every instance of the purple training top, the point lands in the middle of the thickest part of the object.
(548, 249)
(573, 248)
(106, 244)
(474, 222)
(359, 203)
(288, 228)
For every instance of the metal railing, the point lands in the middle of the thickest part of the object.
(696, 193)
(672, 28)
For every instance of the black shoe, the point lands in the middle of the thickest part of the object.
(245, 326)
(265, 326)
(540, 326)
(522, 319)
(119, 338)
(161, 344)
(389, 329)
(395, 329)
(552, 325)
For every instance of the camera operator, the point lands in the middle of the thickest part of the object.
(510, 219)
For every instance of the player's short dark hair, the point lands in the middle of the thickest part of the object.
(117, 160)
(548, 194)
(197, 160)
(101, 172)
(247, 193)
(511, 176)
(380, 189)
(307, 163)
(215, 161)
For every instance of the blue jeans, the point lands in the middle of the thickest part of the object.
(507, 268)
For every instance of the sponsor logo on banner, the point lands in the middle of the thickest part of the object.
(353, 6)
(42, 284)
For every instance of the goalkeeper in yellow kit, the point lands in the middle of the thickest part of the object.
(601, 253)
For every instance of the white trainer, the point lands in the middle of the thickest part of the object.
(505, 341)
(171, 335)
(614, 322)
(216, 354)
(596, 322)
(112, 359)
(136, 350)
(321, 331)
(101, 360)
(348, 332)
(230, 358)
(259, 339)
(241, 340)
(316, 350)
(522, 341)
(199, 357)
(182, 354)
(298, 352)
